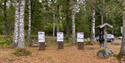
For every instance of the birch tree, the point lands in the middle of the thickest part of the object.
(16, 26)
(75, 9)
(19, 24)
(29, 24)
(93, 22)
(122, 50)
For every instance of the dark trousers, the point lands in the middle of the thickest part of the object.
(101, 44)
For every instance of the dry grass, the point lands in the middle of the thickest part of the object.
(69, 54)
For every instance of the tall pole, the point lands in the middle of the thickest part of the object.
(102, 14)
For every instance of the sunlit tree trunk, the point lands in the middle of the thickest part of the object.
(21, 24)
(122, 50)
(29, 24)
(73, 29)
(93, 24)
(16, 26)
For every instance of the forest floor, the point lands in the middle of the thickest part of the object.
(69, 54)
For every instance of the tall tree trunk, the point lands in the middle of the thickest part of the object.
(102, 14)
(122, 50)
(93, 24)
(54, 18)
(5, 18)
(67, 19)
(73, 29)
(102, 19)
(54, 26)
(21, 25)
(58, 16)
(29, 24)
(16, 26)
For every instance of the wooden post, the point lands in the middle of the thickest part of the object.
(41, 40)
(80, 40)
(105, 37)
(42, 46)
(60, 40)
(60, 45)
(80, 45)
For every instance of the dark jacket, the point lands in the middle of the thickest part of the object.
(101, 37)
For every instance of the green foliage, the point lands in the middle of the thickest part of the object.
(42, 16)
(120, 57)
(5, 42)
(22, 52)
(88, 43)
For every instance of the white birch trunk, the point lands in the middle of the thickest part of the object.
(29, 24)
(21, 25)
(122, 51)
(73, 29)
(93, 27)
(16, 28)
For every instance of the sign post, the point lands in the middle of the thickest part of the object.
(60, 40)
(80, 40)
(41, 40)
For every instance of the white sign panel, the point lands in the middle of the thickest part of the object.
(80, 37)
(60, 37)
(41, 36)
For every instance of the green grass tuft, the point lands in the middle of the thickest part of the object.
(22, 52)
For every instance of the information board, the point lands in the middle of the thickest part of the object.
(60, 37)
(80, 37)
(41, 36)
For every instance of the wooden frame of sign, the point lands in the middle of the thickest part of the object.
(41, 40)
(60, 40)
(80, 40)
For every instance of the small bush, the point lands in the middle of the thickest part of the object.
(104, 53)
(22, 52)
(88, 43)
(5, 42)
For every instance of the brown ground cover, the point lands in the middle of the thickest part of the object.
(52, 55)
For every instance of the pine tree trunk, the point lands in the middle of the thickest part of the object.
(21, 25)
(29, 24)
(122, 51)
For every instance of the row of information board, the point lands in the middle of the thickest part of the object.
(60, 37)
